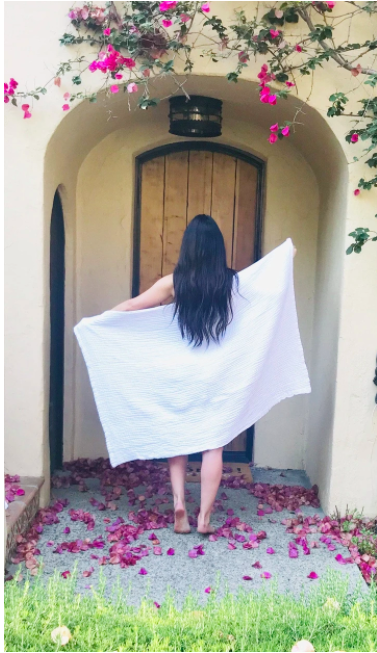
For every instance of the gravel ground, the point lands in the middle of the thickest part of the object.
(181, 573)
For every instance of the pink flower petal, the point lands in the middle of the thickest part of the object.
(313, 575)
(132, 88)
(114, 88)
(356, 192)
(273, 138)
(274, 33)
(143, 572)
(66, 96)
(265, 574)
(285, 131)
(65, 107)
(65, 574)
(274, 128)
(170, 552)
(67, 530)
(156, 604)
(167, 23)
(107, 31)
(185, 18)
(193, 554)
(205, 7)
(207, 590)
(157, 550)
(247, 578)
(270, 550)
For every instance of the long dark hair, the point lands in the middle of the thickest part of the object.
(203, 283)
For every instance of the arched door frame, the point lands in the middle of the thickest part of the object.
(229, 456)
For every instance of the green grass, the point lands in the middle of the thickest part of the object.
(255, 621)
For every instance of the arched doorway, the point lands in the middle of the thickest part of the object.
(175, 183)
(57, 283)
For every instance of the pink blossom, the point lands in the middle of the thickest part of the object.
(274, 128)
(27, 114)
(65, 574)
(265, 574)
(132, 88)
(354, 138)
(84, 13)
(313, 575)
(331, 5)
(66, 96)
(247, 578)
(243, 57)
(170, 552)
(57, 81)
(107, 31)
(118, 76)
(93, 66)
(207, 590)
(73, 14)
(168, 5)
(129, 63)
(205, 7)
(270, 550)
(274, 33)
(114, 88)
(290, 84)
(146, 72)
(185, 18)
(143, 572)
(273, 138)
(167, 23)
(285, 131)
(272, 99)
(298, 48)
(356, 192)
(65, 107)
(156, 604)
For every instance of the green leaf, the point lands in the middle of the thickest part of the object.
(349, 249)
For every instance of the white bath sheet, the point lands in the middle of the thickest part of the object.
(158, 397)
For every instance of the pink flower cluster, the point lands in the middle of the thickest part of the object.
(111, 61)
(12, 488)
(96, 14)
(9, 89)
(274, 129)
(265, 94)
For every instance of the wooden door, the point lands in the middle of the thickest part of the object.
(174, 188)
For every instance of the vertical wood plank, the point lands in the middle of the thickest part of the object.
(199, 183)
(152, 211)
(175, 208)
(223, 189)
(245, 213)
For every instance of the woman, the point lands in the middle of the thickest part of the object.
(201, 288)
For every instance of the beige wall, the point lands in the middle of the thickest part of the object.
(334, 437)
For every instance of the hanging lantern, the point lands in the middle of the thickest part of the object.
(197, 116)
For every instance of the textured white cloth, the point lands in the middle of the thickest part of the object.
(157, 396)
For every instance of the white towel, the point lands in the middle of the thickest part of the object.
(158, 397)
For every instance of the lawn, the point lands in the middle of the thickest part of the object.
(330, 616)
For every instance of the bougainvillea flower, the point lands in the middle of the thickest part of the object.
(67, 530)
(107, 31)
(27, 114)
(272, 99)
(257, 565)
(247, 578)
(357, 191)
(243, 57)
(273, 138)
(356, 71)
(205, 7)
(157, 550)
(157, 605)
(231, 546)
(265, 574)
(50, 543)
(298, 48)
(290, 84)
(185, 18)
(285, 131)
(132, 88)
(293, 553)
(270, 550)
(170, 552)
(57, 81)
(65, 574)
(118, 76)
(168, 6)
(331, 5)
(65, 107)
(143, 572)
(274, 33)
(167, 23)
(66, 96)
(274, 128)
(207, 590)
(313, 575)
(192, 554)
(114, 88)
(354, 138)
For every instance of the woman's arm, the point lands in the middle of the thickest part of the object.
(161, 291)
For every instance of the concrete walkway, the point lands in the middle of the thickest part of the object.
(180, 572)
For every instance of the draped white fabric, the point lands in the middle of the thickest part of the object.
(159, 397)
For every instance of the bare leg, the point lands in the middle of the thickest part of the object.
(212, 467)
(177, 466)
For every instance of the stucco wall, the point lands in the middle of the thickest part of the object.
(105, 196)
(47, 151)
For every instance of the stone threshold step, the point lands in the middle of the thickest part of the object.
(21, 512)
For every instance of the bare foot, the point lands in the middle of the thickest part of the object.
(205, 529)
(181, 524)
